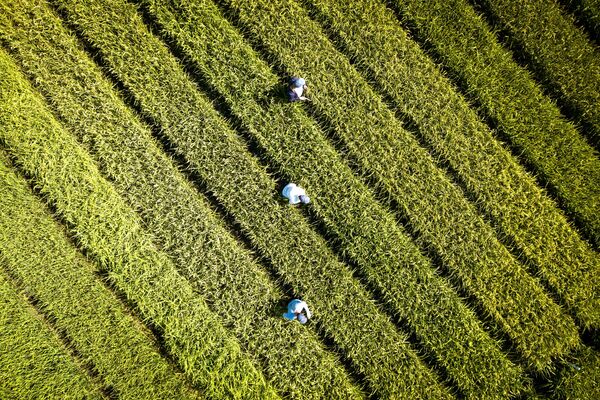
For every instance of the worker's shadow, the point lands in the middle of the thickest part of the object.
(276, 95)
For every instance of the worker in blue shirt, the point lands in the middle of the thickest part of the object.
(296, 89)
(297, 310)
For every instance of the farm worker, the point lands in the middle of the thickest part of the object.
(295, 194)
(296, 89)
(296, 309)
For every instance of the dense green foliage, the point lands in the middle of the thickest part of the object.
(158, 136)
(111, 232)
(183, 224)
(33, 362)
(39, 255)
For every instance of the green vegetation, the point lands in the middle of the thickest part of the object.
(183, 224)
(110, 231)
(386, 153)
(561, 53)
(395, 265)
(509, 96)
(499, 184)
(33, 362)
(580, 376)
(40, 256)
(372, 345)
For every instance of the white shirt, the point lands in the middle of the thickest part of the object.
(293, 193)
(298, 91)
(302, 306)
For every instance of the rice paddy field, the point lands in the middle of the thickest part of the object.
(450, 149)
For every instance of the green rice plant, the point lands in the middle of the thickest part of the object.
(390, 157)
(588, 13)
(38, 254)
(184, 226)
(499, 185)
(342, 308)
(34, 364)
(561, 53)
(448, 323)
(111, 232)
(579, 377)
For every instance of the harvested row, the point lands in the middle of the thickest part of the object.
(182, 222)
(372, 345)
(580, 376)
(561, 54)
(112, 234)
(509, 97)
(394, 265)
(39, 255)
(33, 362)
(500, 186)
(440, 215)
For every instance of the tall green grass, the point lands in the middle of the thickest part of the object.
(201, 32)
(560, 53)
(34, 363)
(38, 254)
(112, 234)
(499, 185)
(372, 345)
(579, 377)
(186, 229)
(437, 210)
(588, 11)
(508, 95)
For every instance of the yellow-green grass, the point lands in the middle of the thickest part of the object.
(393, 263)
(38, 254)
(439, 214)
(588, 12)
(186, 229)
(558, 51)
(579, 376)
(500, 186)
(34, 364)
(372, 345)
(111, 233)
(508, 95)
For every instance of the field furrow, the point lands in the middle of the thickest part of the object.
(301, 258)
(33, 362)
(560, 54)
(393, 265)
(111, 232)
(500, 187)
(38, 254)
(508, 96)
(186, 229)
(439, 214)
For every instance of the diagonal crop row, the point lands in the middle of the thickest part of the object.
(112, 234)
(580, 376)
(500, 186)
(587, 14)
(508, 96)
(394, 265)
(39, 255)
(560, 53)
(33, 362)
(183, 224)
(391, 157)
(217, 155)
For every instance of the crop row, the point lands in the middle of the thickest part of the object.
(436, 209)
(40, 256)
(112, 234)
(182, 223)
(588, 12)
(215, 153)
(498, 184)
(579, 376)
(33, 361)
(510, 97)
(393, 265)
(561, 53)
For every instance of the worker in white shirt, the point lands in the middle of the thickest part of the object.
(296, 310)
(296, 89)
(295, 194)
